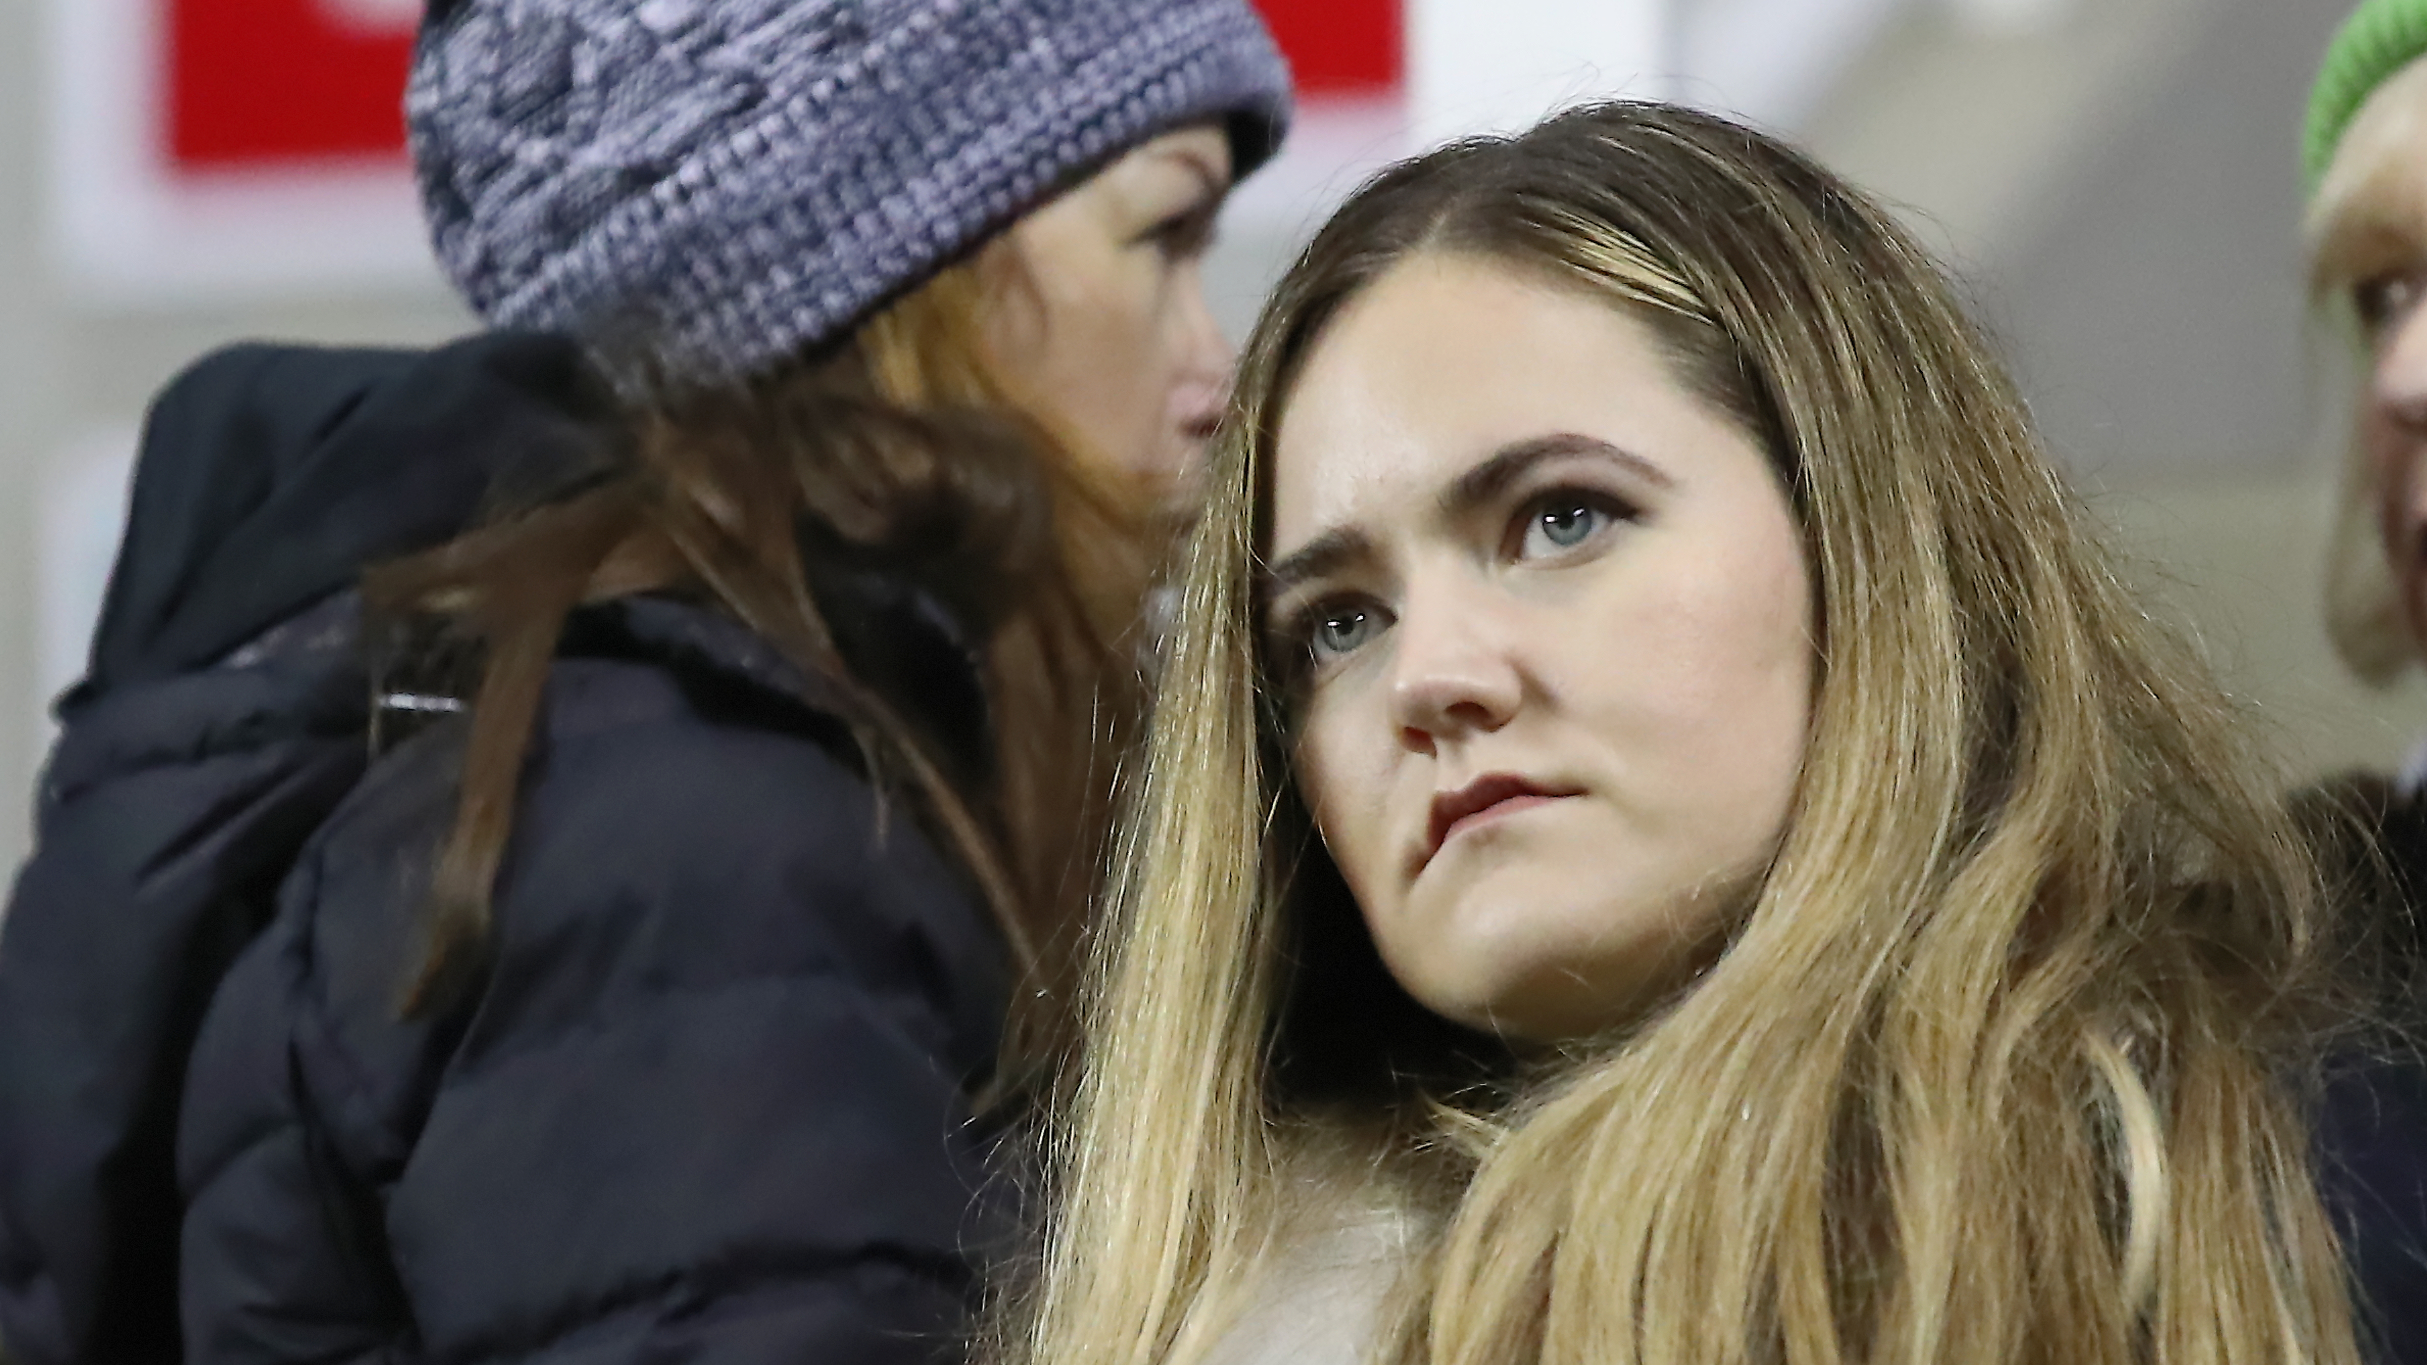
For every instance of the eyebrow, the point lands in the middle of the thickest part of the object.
(1477, 487)
(1483, 484)
(1321, 557)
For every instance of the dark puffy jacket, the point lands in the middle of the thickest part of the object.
(707, 1098)
(2372, 1144)
(2374, 1152)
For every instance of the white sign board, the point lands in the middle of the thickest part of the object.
(1500, 66)
(83, 513)
(127, 229)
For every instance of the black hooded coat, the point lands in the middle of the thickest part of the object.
(706, 1099)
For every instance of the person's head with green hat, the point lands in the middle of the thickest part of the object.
(2365, 155)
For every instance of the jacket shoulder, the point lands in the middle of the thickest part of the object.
(2371, 836)
(660, 845)
(270, 475)
(732, 1009)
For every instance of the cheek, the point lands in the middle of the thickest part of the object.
(1106, 356)
(1100, 303)
(1343, 780)
(1702, 690)
(2400, 517)
(1715, 641)
(2396, 459)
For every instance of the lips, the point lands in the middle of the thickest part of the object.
(1480, 799)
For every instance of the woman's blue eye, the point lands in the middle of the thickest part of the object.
(1341, 631)
(1561, 524)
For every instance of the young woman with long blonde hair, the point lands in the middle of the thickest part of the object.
(1664, 840)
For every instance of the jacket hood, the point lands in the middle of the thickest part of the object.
(270, 475)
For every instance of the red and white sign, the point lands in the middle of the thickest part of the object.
(207, 149)
(265, 83)
(217, 149)
(1340, 49)
(255, 84)
(1384, 78)
(231, 147)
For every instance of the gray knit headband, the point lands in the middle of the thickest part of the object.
(736, 180)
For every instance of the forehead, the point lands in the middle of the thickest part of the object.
(1440, 363)
(2376, 185)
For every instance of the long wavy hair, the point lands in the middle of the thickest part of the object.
(900, 449)
(2008, 1057)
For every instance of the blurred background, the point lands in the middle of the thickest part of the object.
(2115, 181)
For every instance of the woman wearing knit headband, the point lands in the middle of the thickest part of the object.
(658, 990)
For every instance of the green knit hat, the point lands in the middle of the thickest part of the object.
(2380, 38)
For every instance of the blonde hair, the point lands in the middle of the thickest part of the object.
(2366, 216)
(2005, 1060)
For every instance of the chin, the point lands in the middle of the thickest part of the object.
(1512, 959)
(1544, 994)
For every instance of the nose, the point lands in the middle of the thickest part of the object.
(2397, 397)
(2398, 386)
(1208, 345)
(1203, 354)
(1453, 673)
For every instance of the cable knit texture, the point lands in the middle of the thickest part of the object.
(2380, 38)
(727, 182)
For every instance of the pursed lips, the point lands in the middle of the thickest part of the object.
(1486, 798)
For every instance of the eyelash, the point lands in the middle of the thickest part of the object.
(1295, 632)
(1537, 509)
(1185, 236)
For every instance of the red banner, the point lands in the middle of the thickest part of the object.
(282, 83)
(1339, 47)
(293, 83)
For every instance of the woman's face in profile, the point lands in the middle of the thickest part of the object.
(2375, 242)
(1104, 327)
(1546, 614)
(2394, 419)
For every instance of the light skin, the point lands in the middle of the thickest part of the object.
(2377, 243)
(1102, 325)
(1554, 622)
